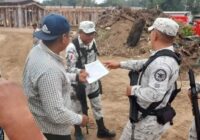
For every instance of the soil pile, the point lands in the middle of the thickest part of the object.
(115, 25)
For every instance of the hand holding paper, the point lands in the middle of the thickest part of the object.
(96, 70)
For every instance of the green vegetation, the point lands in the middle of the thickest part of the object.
(165, 5)
(186, 30)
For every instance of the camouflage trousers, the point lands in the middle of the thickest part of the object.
(95, 105)
(146, 129)
(192, 133)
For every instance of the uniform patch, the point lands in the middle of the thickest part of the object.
(71, 56)
(160, 75)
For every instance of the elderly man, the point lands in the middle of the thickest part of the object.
(46, 83)
(155, 84)
(83, 51)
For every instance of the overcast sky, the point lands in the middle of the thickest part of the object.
(98, 1)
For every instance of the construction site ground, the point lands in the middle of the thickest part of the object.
(15, 45)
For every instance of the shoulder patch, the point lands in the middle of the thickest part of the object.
(160, 75)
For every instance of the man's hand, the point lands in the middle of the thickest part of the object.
(85, 120)
(128, 90)
(112, 64)
(82, 76)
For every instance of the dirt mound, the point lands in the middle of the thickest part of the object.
(114, 26)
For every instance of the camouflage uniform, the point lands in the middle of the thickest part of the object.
(72, 57)
(157, 80)
(192, 133)
(83, 51)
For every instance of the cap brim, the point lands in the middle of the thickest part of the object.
(89, 31)
(150, 28)
(41, 35)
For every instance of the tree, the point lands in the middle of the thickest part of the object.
(193, 5)
(172, 5)
(114, 3)
(70, 2)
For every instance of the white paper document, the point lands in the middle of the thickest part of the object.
(96, 70)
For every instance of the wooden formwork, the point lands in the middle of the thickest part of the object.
(77, 14)
(20, 14)
(25, 13)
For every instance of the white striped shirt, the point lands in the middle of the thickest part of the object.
(48, 88)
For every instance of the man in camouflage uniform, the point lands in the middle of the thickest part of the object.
(83, 51)
(157, 81)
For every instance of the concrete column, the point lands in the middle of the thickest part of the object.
(25, 12)
(20, 17)
(5, 17)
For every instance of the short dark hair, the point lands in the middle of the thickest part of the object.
(50, 42)
(165, 37)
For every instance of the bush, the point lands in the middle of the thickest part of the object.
(186, 30)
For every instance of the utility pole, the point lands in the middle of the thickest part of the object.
(60, 4)
(186, 5)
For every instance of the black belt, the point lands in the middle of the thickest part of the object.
(94, 94)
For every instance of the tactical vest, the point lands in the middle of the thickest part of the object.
(136, 79)
(82, 53)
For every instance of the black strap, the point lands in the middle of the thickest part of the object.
(94, 94)
(82, 52)
(77, 46)
(152, 106)
(174, 93)
(164, 52)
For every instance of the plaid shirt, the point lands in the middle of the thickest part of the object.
(48, 88)
(1, 134)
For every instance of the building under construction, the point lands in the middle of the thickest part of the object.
(23, 13)
(20, 13)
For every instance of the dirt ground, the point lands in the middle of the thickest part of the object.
(16, 43)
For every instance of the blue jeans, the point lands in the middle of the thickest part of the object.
(1, 134)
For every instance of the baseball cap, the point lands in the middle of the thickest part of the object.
(166, 26)
(53, 25)
(87, 27)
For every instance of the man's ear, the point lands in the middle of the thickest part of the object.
(156, 35)
(66, 38)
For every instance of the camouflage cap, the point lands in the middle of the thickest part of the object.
(166, 26)
(87, 27)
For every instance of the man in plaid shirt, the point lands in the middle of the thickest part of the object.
(46, 83)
